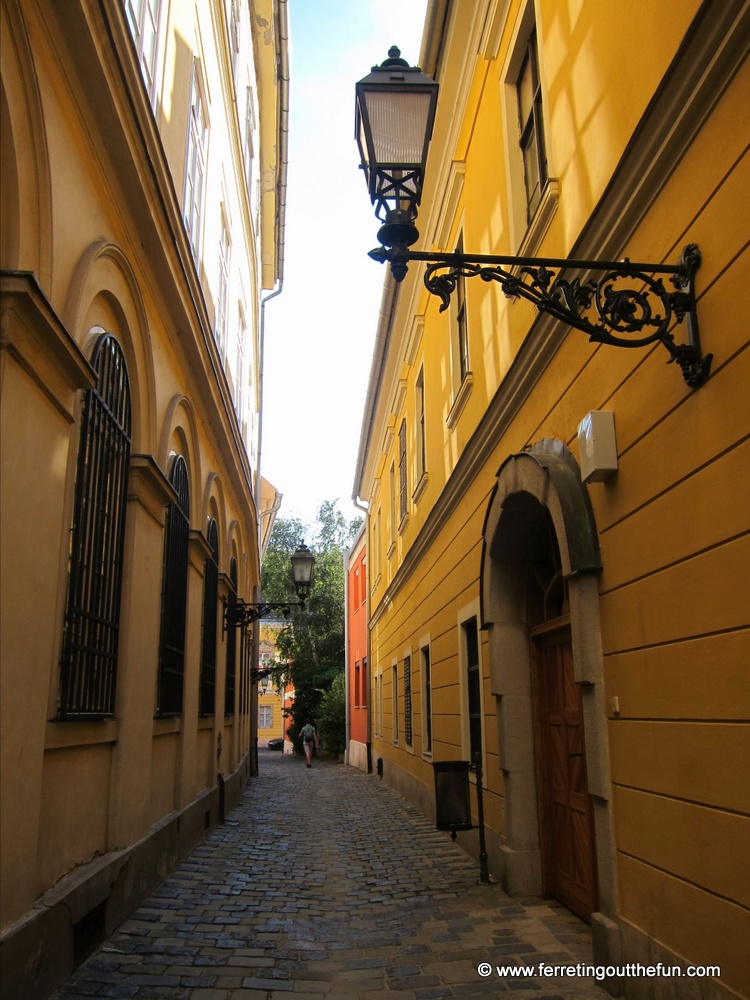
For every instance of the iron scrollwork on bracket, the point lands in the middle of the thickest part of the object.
(626, 307)
(240, 614)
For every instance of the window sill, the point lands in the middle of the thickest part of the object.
(162, 727)
(540, 222)
(460, 401)
(74, 733)
(421, 487)
(403, 524)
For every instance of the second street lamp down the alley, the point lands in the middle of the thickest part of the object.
(238, 614)
(626, 306)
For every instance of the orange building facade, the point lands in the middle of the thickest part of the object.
(358, 689)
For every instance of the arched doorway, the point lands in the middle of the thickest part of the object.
(540, 608)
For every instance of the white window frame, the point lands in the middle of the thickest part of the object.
(222, 299)
(143, 17)
(195, 162)
(240, 389)
(265, 712)
(526, 236)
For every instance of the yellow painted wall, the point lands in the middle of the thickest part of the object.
(673, 524)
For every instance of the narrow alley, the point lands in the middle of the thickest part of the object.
(324, 883)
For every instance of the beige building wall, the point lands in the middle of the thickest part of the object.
(115, 222)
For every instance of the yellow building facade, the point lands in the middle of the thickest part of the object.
(588, 639)
(142, 192)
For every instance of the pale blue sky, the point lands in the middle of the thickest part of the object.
(320, 330)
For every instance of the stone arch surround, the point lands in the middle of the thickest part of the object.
(547, 476)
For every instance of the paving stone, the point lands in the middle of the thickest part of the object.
(356, 897)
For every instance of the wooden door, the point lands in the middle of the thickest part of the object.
(567, 828)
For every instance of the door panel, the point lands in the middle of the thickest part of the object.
(567, 830)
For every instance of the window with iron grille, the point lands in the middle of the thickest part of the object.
(174, 595)
(529, 96)
(473, 681)
(231, 644)
(210, 610)
(403, 486)
(407, 701)
(88, 671)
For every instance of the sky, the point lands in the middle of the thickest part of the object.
(320, 332)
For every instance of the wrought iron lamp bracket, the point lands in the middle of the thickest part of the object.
(626, 305)
(240, 614)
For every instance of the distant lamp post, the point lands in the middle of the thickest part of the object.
(453, 803)
(242, 613)
(625, 306)
(264, 682)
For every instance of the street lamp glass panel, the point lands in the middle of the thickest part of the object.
(397, 123)
(303, 566)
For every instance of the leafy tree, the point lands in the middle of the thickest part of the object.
(311, 647)
(332, 717)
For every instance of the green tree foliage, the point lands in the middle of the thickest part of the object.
(331, 717)
(311, 647)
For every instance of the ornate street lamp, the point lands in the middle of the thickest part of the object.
(628, 305)
(241, 613)
(395, 111)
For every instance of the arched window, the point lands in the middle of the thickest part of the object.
(174, 595)
(90, 639)
(231, 645)
(210, 608)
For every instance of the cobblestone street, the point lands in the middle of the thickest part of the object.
(324, 883)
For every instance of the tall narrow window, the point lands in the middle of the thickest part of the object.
(265, 716)
(402, 477)
(240, 389)
(426, 699)
(230, 683)
(473, 682)
(222, 298)
(421, 445)
(462, 333)
(394, 700)
(357, 684)
(363, 690)
(234, 35)
(249, 143)
(92, 618)
(195, 169)
(392, 504)
(407, 701)
(210, 611)
(531, 129)
(174, 595)
(143, 21)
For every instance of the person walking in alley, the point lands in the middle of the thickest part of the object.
(309, 740)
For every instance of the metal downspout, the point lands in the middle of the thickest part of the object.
(283, 85)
